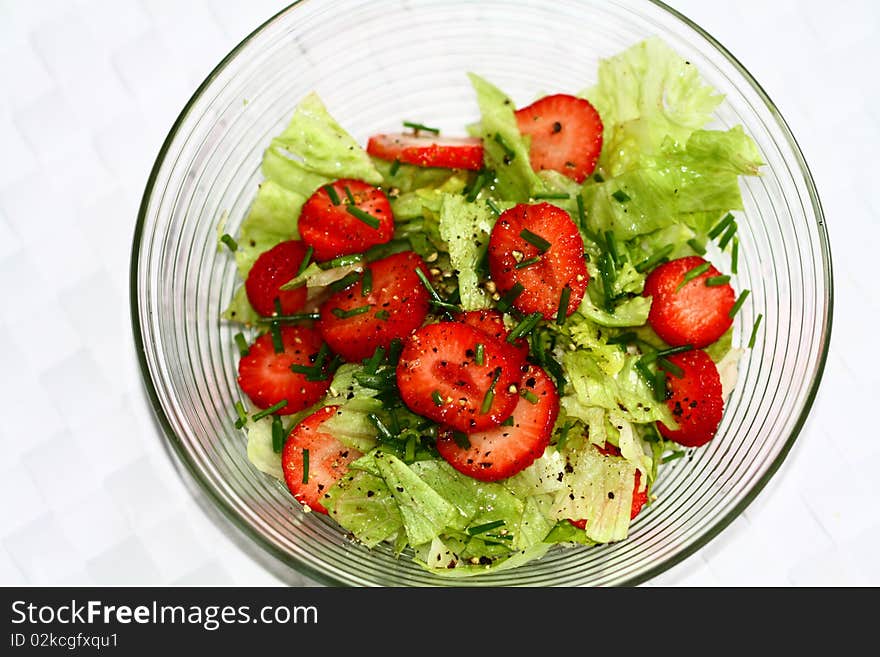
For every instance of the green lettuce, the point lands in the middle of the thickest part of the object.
(464, 227)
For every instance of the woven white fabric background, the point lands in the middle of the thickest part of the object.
(88, 90)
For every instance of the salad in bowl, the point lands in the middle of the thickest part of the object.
(479, 347)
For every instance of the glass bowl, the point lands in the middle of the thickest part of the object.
(371, 61)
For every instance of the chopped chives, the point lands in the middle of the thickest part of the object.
(598, 177)
(717, 281)
(394, 350)
(305, 478)
(345, 314)
(624, 338)
(268, 411)
(380, 427)
(582, 215)
(728, 235)
(395, 167)
(437, 397)
(349, 195)
(646, 374)
(242, 344)
(296, 317)
(242, 415)
(420, 127)
(562, 310)
(755, 331)
(345, 281)
(527, 263)
(526, 326)
(660, 385)
(435, 299)
(363, 216)
(490, 393)
(372, 363)
(529, 396)
(331, 192)
(692, 274)
(479, 353)
(507, 300)
(276, 302)
(229, 242)
(620, 196)
(654, 260)
(611, 243)
(277, 434)
(674, 350)
(672, 457)
(739, 302)
(461, 439)
(307, 258)
(670, 367)
(503, 537)
(342, 261)
(535, 240)
(698, 247)
(606, 271)
(482, 529)
(475, 189)
(551, 196)
(508, 151)
(382, 315)
(563, 434)
(721, 226)
(367, 282)
(508, 422)
(734, 255)
(493, 207)
(277, 341)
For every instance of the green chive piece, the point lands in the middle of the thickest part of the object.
(670, 367)
(606, 272)
(734, 255)
(535, 240)
(728, 235)
(268, 411)
(526, 326)
(508, 422)
(382, 315)
(380, 427)
(612, 247)
(363, 216)
(479, 353)
(508, 151)
(673, 457)
(721, 226)
(582, 215)
(345, 314)
(624, 338)
(277, 341)
(420, 127)
(495, 209)
(551, 196)
(667, 352)
(660, 256)
(646, 374)
(367, 282)
(739, 302)
(305, 478)
(282, 319)
(563, 434)
(242, 344)
(229, 242)
(475, 189)
(505, 303)
(342, 261)
(482, 529)
(331, 192)
(345, 281)
(527, 263)
(461, 439)
(717, 281)
(395, 167)
(242, 415)
(529, 396)
(372, 363)
(307, 258)
(394, 350)
(692, 274)
(598, 177)
(349, 195)
(490, 393)
(502, 537)
(277, 434)
(437, 397)
(435, 299)
(620, 196)
(562, 310)
(660, 385)
(698, 247)
(755, 331)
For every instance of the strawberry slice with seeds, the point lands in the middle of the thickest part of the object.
(689, 312)
(439, 376)
(566, 135)
(428, 150)
(271, 270)
(264, 375)
(539, 248)
(695, 399)
(355, 321)
(502, 451)
(314, 460)
(345, 217)
(491, 322)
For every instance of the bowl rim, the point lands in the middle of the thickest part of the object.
(306, 569)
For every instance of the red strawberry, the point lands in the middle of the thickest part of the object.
(395, 306)
(502, 451)
(272, 270)
(266, 377)
(566, 134)
(438, 377)
(491, 322)
(696, 314)
(328, 460)
(428, 151)
(639, 499)
(560, 253)
(330, 224)
(695, 399)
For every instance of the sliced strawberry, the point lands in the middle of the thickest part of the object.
(502, 451)
(639, 499)
(512, 242)
(354, 324)
(694, 314)
(266, 378)
(438, 376)
(695, 399)
(428, 151)
(271, 270)
(328, 460)
(491, 322)
(566, 134)
(331, 224)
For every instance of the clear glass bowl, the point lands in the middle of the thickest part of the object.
(376, 63)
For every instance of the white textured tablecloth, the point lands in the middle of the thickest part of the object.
(88, 91)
